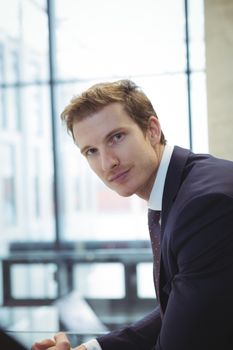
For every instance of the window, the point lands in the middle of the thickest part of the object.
(47, 192)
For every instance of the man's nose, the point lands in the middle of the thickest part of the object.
(109, 160)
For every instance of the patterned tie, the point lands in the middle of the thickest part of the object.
(155, 230)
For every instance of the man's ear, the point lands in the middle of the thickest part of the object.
(154, 130)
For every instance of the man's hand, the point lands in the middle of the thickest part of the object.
(60, 342)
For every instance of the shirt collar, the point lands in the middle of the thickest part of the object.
(156, 195)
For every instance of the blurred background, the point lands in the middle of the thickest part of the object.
(67, 242)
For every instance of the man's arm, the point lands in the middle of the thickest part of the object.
(140, 335)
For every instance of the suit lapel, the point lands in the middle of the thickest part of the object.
(172, 184)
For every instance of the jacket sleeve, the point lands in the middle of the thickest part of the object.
(140, 335)
(199, 312)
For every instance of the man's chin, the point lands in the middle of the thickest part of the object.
(124, 193)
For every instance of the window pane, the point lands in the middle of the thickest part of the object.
(145, 284)
(119, 38)
(196, 34)
(33, 281)
(7, 186)
(2, 93)
(199, 113)
(34, 36)
(12, 108)
(9, 18)
(38, 163)
(26, 179)
(100, 280)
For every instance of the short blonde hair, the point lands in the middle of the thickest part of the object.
(127, 93)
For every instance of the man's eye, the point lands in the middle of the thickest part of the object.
(117, 137)
(91, 151)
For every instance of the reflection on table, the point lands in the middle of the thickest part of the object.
(70, 314)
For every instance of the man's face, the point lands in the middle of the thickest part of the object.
(123, 157)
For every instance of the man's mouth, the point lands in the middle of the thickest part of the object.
(119, 177)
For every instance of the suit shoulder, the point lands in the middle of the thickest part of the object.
(205, 174)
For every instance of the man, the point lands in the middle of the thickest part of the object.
(117, 130)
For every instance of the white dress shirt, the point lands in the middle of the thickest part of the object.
(156, 195)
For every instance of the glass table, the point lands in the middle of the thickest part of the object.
(70, 314)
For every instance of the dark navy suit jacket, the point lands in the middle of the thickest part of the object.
(196, 274)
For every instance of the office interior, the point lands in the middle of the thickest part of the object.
(74, 256)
